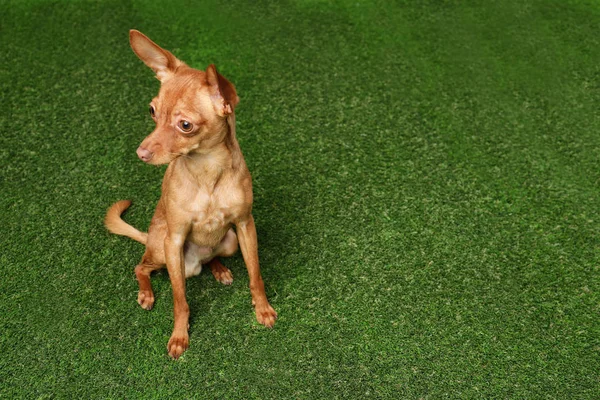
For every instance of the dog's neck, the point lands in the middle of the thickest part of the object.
(206, 163)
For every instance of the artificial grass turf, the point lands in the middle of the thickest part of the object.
(426, 195)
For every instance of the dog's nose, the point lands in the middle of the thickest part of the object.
(144, 154)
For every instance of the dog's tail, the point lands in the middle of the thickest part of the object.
(116, 225)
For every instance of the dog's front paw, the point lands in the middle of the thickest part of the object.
(178, 344)
(146, 299)
(266, 315)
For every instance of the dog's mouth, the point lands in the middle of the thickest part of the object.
(156, 158)
(176, 155)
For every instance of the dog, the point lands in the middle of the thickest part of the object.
(206, 189)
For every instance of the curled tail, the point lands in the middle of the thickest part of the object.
(116, 225)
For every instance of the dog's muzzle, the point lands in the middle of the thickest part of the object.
(144, 154)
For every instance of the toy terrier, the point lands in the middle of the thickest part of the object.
(206, 189)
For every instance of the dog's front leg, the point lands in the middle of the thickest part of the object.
(246, 230)
(179, 340)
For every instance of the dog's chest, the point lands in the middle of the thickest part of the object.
(214, 211)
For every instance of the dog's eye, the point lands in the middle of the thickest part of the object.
(185, 126)
(152, 111)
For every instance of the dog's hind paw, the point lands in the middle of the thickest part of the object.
(221, 272)
(146, 299)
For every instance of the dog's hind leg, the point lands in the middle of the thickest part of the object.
(227, 247)
(220, 272)
(142, 273)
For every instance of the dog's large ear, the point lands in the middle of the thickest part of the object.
(162, 62)
(223, 94)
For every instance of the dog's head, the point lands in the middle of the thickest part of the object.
(191, 108)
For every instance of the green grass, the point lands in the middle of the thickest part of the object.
(426, 179)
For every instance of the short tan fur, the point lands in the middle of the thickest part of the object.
(206, 190)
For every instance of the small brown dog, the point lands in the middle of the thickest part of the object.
(206, 189)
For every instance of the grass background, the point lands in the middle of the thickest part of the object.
(426, 196)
